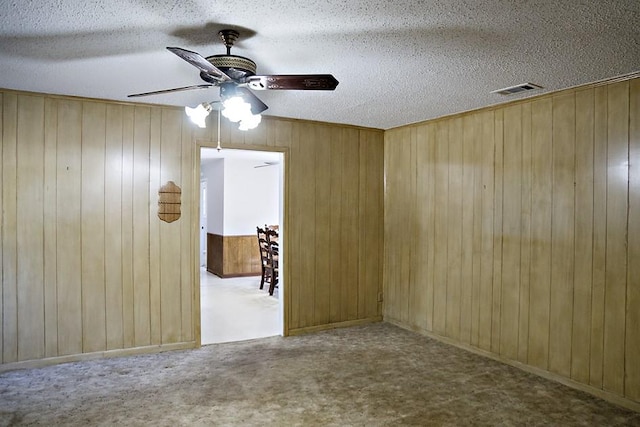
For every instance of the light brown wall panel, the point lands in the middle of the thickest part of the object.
(50, 237)
(29, 230)
(599, 235)
(9, 223)
(113, 228)
(541, 193)
(84, 249)
(616, 243)
(583, 250)
(632, 339)
(68, 227)
(562, 234)
(93, 227)
(551, 224)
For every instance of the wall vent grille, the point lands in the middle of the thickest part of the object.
(517, 89)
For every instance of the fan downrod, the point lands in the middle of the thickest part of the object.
(228, 37)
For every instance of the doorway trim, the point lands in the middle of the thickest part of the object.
(195, 232)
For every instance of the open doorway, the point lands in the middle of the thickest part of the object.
(240, 190)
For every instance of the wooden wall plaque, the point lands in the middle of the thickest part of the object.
(169, 202)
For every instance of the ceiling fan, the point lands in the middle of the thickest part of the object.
(266, 164)
(235, 75)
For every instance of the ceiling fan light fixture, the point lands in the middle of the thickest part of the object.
(198, 115)
(250, 122)
(236, 109)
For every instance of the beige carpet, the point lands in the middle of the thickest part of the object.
(374, 375)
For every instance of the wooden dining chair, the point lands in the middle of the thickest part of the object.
(263, 245)
(274, 255)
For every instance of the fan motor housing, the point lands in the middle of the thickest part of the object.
(236, 67)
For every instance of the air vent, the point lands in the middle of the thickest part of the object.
(517, 89)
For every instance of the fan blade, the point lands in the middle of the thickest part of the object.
(199, 62)
(177, 89)
(257, 106)
(293, 82)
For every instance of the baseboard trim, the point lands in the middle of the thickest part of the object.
(601, 394)
(39, 363)
(346, 324)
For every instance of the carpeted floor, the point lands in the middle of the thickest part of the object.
(373, 375)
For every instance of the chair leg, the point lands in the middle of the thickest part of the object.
(262, 278)
(273, 282)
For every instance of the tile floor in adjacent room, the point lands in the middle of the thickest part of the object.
(235, 309)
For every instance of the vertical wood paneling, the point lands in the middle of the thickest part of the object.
(454, 226)
(170, 245)
(511, 228)
(616, 255)
(9, 237)
(30, 227)
(349, 224)
(427, 216)
(295, 225)
(307, 190)
(334, 250)
(69, 219)
(93, 227)
(190, 215)
(632, 327)
(581, 336)
(476, 268)
(468, 210)
(599, 235)
(541, 193)
(562, 235)
(549, 233)
(370, 225)
(498, 233)
(128, 322)
(113, 228)
(440, 236)
(525, 235)
(155, 286)
(323, 227)
(87, 266)
(141, 263)
(486, 257)
(392, 211)
(422, 299)
(50, 238)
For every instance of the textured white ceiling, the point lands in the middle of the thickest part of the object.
(397, 62)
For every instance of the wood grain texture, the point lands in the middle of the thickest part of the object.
(632, 326)
(9, 225)
(551, 216)
(562, 234)
(581, 337)
(617, 232)
(30, 227)
(87, 266)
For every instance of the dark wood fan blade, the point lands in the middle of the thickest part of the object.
(177, 89)
(257, 106)
(199, 62)
(293, 82)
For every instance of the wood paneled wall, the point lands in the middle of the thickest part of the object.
(516, 230)
(87, 266)
(233, 256)
(333, 224)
